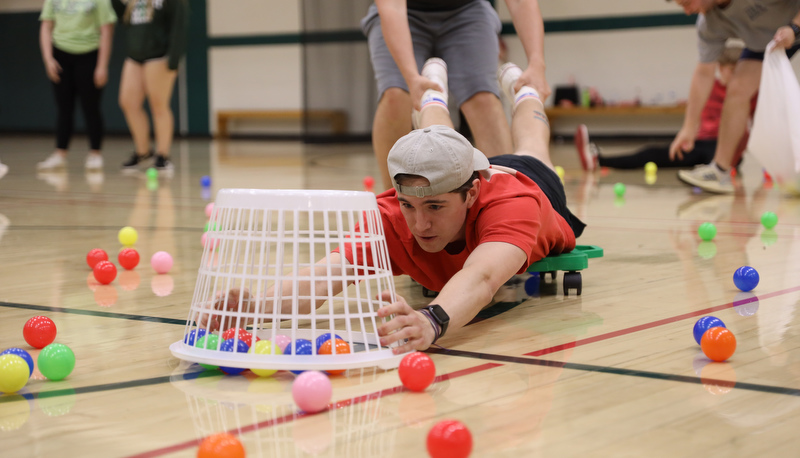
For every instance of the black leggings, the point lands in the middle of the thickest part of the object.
(77, 79)
(703, 153)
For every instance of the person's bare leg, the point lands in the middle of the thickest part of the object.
(736, 110)
(488, 124)
(531, 130)
(131, 100)
(432, 114)
(159, 82)
(392, 121)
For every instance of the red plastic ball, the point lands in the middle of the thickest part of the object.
(417, 371)
(244, 336)
(369, 182)
(105, 272)
(449, 439)
(718, 344)
(94, 256)
(128, 258)
(39, 331)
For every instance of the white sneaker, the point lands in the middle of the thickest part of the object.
(3, 170)
(435, 69)
(708, 178)
(507, 76)
(55, 161)
(94, 162)
(586, 151)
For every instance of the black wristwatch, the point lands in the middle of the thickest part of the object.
(795, 29)
(440, 316)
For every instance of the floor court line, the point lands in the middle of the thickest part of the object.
(122, 316)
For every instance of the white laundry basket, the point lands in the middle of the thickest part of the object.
(262, 239)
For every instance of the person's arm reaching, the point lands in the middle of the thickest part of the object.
(487, 268)
(702, 82)
(397, 35)
(527, 19)
(786, 35)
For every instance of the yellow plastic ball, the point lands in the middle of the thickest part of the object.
(265, 347)
(128, 236)
(650, 168)
(14, 373)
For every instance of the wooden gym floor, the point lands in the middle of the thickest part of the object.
(613, 372)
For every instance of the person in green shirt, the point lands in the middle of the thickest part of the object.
(75, 38)
(156, 33)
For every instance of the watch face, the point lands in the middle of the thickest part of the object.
(438, 312)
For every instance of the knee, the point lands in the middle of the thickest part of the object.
(395, 100)
(129, 103)
(160, 109)
(482, 103)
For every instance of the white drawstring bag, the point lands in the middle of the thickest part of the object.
(775, 135)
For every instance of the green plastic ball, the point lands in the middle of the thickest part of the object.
(619, 189)
(56, 361)
(769, 219)
(210, 227)
(152, 173)
(707, 231)
(209, 342)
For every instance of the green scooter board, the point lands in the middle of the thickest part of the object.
(570, 263)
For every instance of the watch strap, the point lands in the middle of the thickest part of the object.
(436, 328)
(795, 28)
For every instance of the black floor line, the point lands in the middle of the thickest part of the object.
(123, 316)
(619, 371)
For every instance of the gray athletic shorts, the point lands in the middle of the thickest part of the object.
(466, 38)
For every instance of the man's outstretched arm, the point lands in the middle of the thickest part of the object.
(464, 295)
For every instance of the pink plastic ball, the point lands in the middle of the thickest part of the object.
(281, 341)
(161, 262)
(209, 209)
(208, 244)
(312, 391)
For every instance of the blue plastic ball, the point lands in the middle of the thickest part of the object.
(241, 347)
(193, 336)
(205, 181)
(745, 278)
(704, 324)
(22, 354)
(324, 338)
(303, 346)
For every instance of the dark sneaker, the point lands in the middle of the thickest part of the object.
(136, 159)
(163, 163)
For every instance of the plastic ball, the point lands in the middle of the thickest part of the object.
(619, 189)
(193, 336)
(560, 172)
(449, 439)
(369, 183)
(704, 324)
(718, 344)
(22, 354)
(39, 331)
(128, 236)
(128, 258)
(650, 168)
(210, 243)
(299, 347)
(312, 391)
(324, 338)
(205, 181)
(152, 173)
(265, 347)
(14, 373)
(341, 348)
(769, 220)
(208, 342)
(161, 262)
(56, 361)
(244, 336)
(209, 226)
(94, 256)
(707, 231)
(234, 346)
(209, 209)
(281, 341)
(416, 371)
(104, 272)
(221, 445)
(745, 278)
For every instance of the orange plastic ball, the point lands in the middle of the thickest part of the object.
(342, 347)
(221, 445)
(718, 344)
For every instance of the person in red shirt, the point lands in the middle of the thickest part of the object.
(704, 146)
(457, 222)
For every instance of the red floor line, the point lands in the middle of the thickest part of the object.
(335, 405)
(642, 327)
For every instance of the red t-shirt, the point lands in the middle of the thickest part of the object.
(712, 112)
(510, 208)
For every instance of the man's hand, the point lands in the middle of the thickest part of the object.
(418, 86)
(784, 37)
(100, 76)
(535, 78)
(683, 143)
(220, 323)
(53, 70)
(407, 324)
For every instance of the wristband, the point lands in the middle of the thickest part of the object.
(795, 28)
(436, 328)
